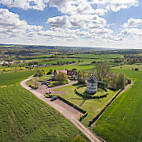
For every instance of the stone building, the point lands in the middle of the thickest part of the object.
(92, 85)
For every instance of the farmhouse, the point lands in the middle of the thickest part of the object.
(69, 73)
(72, 74)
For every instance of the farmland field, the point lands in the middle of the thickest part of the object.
(122, 121)
(25, 118)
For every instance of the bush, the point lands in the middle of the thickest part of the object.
(39, 73)
(50, 72)
(33, 86)
(74, 69)
(136, 69)
(93, 62)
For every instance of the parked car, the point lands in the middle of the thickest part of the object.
(53, 98)
(48, 93)
(45, 83)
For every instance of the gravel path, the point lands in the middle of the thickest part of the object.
(91, 136)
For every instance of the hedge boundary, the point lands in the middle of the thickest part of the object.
(89, 96)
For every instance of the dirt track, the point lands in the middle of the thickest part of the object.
(92, 137)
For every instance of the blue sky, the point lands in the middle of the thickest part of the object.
(89, 23)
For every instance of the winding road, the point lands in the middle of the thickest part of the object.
(91, 136)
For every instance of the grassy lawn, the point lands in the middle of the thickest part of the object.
(25, 118)
(122, 121)
(92, 106)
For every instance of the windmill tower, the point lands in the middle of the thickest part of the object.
(92, 84)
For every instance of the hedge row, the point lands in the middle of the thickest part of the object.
(89, 96)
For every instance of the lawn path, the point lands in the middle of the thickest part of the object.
(91, 136)
(57, 87)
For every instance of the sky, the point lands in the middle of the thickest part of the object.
(82, 23)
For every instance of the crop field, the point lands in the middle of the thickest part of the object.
(122, 121)
(92, 106)
(24, 118)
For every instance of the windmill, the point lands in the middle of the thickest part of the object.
(92, 84)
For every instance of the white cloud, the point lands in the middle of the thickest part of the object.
(78, 21)
(132, 23)
(11, 25)
(133, 32)
(26, 4)
(73, 6)
(115, 5)
(59, 22)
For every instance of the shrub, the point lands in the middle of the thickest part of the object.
(50, 72)
(93, 62)
(33, 86)
(39, 73)
(136, 69)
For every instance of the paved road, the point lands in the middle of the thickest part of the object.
(91, 136)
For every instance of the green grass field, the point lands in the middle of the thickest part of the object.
(25, 118)
(100, 57)
(122, 121)
(92, 106)
(129, 67)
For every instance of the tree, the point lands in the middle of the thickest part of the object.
(120, 81)
(102, 70)
(80, 77)
(40, 73)
(36, 83)
(62, 78)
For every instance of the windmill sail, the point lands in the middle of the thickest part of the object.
(101, 82)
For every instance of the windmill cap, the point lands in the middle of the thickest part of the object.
(92, 79)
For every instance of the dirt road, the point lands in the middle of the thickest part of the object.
(92, 137)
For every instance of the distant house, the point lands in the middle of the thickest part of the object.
(71, 73)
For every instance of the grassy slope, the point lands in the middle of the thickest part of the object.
(122, 121)
(25, 118)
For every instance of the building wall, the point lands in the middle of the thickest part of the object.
(92, 88)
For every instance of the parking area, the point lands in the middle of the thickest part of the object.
(74, 112)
